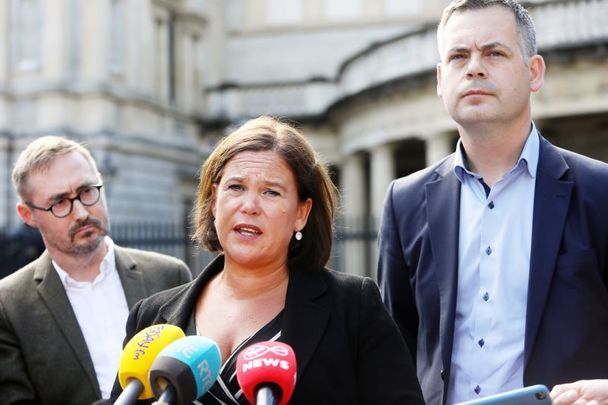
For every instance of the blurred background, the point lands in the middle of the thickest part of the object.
(151, 85)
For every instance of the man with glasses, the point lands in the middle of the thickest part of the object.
(62, 316)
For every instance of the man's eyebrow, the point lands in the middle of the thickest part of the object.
(458, 49)
(484, 47)
(494, 45)
(61, 196)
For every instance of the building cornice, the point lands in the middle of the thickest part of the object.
(564, 27)
(117, 94)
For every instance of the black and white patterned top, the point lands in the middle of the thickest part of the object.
(226, 390)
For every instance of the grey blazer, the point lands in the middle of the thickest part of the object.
(43, 355)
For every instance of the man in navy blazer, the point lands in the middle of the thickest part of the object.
(494, 261)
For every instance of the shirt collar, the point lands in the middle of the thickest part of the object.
(527, 158)
(107, 266)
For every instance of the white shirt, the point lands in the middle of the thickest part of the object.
(101, 309)
(495, 237)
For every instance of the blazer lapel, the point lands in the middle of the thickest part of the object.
(306, 314)
(305, 317)
(130, 277)
(551, 201)
(443, 207)
(53, 294)
(179, 309)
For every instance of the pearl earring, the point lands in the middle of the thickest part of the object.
(298, 235)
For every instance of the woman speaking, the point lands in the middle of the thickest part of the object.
(266, 205)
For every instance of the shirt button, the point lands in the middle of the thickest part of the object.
(491, 205)
(481, 342)
(488, 250)
(477, 390)
(486, 297)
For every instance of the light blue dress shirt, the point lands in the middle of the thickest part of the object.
(495, 235)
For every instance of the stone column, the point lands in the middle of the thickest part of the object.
(5, 47)
(438, 146)
(161, 51)
(94, 45)
(382, 171)
(52, 109)
(351, 251)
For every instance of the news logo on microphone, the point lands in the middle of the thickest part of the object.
(267, 366)
(258, 356)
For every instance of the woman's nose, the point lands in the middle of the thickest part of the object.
(250, 204)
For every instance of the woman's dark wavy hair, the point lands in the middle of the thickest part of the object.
(270, 134)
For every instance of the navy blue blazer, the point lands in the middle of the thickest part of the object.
(566, 331)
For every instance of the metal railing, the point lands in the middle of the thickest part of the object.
(18, 248)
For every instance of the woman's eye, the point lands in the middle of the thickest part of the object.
(234, 187)
(272, 193)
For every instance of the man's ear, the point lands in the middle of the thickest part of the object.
(536, 65)
(25, 213)
(439, 79)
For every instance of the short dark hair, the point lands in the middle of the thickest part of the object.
(525, 25)
(313, 181)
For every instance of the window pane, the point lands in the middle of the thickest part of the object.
(400, 7)
(117, 35)
(343, 9)
(26, 33)
(281, 12)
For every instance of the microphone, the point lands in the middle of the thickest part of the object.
(266, 372)
(185, 370)
(137, 357)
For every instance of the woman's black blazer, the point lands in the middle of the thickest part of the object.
(348, 349)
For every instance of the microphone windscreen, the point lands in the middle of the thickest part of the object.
(191, 365)
(267, 363)
(139, 353)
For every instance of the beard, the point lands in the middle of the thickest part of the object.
(90, 240)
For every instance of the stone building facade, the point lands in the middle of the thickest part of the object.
(122, 76)
(373, 111)
(151, 85)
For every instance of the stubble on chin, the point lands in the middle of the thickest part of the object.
(93, 238)
(88, 247)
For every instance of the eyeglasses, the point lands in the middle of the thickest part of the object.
(88, 195)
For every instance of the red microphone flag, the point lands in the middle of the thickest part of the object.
(267, 364)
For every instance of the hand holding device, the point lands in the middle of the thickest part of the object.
(533, 395)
